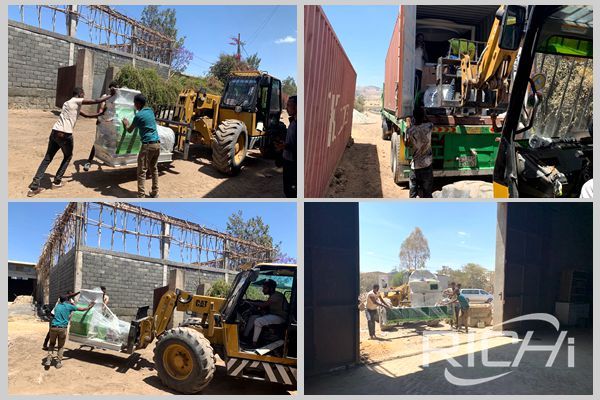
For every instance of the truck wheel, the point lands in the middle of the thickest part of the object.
(386, 131)
(229, 146)
(184, 360)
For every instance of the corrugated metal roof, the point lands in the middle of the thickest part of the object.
(467, 15)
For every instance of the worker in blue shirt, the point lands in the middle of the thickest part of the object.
(145, 121)
(463, 304)
(58, 328)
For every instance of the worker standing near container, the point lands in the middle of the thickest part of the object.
(418, 137)
(58, 328)
(289, 147)
(145, 121)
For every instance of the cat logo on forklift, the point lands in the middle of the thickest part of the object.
(201, 303)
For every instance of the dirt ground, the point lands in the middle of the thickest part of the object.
(406, 340)
(101, 372)
(365, 168)
(398, 365)
(28, 132)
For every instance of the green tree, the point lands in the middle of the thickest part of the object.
(165, 22)
(219, 289)
(253, 230)
(414, 251)
(359, 103)
(224, 66)
(288, 86)
(399, 278)
(470, 275)
(253, 61)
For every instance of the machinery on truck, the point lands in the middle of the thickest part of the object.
(246, 116)
(517, 107)
(184, 356)
(464, 89)
(546, 144)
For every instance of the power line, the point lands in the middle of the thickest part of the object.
(261, 27)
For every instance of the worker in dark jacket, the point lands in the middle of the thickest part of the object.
(290, 151)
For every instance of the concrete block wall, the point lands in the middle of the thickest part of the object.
(130, 280)
(62, 276)
(34, 56)
(33, 61)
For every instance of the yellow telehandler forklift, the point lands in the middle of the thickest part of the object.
(246, 116)
(184, 356)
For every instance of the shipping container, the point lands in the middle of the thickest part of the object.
(330, 86)
(463, 144)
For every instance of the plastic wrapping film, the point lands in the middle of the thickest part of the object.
(399, 315)
(97, 326)
(113, 144)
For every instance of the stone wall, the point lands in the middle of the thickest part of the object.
(34, 56)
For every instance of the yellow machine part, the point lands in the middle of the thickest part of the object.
(500, 191)
(232, 348)
(249, 119)
(398, 295)
(494, 67)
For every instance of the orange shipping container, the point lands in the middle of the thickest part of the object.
(330, 86)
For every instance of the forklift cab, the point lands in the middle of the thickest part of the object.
(255, 93)
(246, 293)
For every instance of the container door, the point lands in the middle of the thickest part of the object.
(408, 27)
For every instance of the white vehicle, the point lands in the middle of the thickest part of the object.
(477, 295)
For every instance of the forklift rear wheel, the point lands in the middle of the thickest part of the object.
(184, 360)
(229, 146)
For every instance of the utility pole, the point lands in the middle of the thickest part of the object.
(237, 41)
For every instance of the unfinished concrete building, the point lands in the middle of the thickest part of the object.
(132, 251)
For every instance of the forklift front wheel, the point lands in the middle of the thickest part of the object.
(184, 360)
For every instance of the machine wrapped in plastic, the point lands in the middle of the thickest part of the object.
(97, 327)
(400, 315)
(114, 145)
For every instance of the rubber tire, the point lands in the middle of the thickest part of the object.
(386, 134)
(204, 360)
(396, 168)
(223, 146)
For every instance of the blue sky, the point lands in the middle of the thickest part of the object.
(270, 31)
(365, 33)
(458, 233)
(29, 223)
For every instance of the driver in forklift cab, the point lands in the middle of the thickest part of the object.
(275, 308)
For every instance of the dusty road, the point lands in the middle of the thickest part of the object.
(28, 132)
(98, 372)
(405, 368)
(364, 170)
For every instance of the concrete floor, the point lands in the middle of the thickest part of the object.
(408, 375)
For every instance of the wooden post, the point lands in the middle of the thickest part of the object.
(133, 45)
